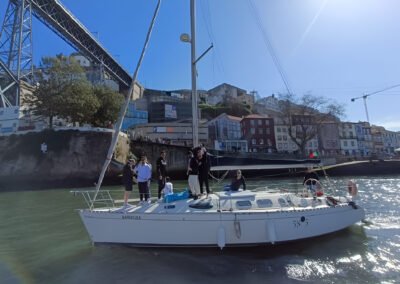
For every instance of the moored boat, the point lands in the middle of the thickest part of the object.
(225, 218)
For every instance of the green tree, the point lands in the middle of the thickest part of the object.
(79, 102)
(57, 77)
(110, 104)
(305, 116)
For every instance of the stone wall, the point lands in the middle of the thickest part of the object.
(73, 158)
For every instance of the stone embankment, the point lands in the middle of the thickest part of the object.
(74, 157)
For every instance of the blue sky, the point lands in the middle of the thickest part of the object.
(334, 48)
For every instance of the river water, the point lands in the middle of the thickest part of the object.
(42, 240)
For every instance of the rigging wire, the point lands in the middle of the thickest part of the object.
(206, 14)
(269, 45)
(124, 108)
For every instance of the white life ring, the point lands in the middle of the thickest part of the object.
(352, 188)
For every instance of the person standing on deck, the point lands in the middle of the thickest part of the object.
(143, 170)
(204, 169)
(127, 179)
(193, 172)
(161, 171)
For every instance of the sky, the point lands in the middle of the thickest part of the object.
(339, 49)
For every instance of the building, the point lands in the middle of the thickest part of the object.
(175, 133)
(259, 132)
(225, 134)
(164, 106)
(348, 139)
(226, 92)
(284, 144)
(329, 140)
(95, 73)
(134, 117)
(364, 138)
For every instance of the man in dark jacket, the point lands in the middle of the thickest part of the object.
(161, 165)
(204, 169)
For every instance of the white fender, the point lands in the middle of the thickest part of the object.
(352, 188)
(221, 240)
(271, 231)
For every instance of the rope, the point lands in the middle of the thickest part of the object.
(218, 180)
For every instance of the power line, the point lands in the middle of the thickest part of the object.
(269, 46)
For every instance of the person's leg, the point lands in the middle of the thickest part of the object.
(146, 191)
(128, 189)
(201, 182)
(161, 185)
(141, 190)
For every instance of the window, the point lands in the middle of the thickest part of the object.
(267, 131)
(282, 202)
(278, 129)
(261, 141)
(259, 122)
(260, 131)
(352, 143)
(279, 138)
(284, 138)
(266, 122)
(243, 204)
(253, 141)
(252, 123)
(264, 203)
(345, 143)
(252, 130)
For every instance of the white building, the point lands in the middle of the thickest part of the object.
(284, 144)
(348, 139)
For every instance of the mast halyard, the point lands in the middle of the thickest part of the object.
(117, 127)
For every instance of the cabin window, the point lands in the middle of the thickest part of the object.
(282, 202)
(243, 204)
(264, 203)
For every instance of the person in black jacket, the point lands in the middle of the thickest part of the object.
(204, 169)
(161, 165)
(237, 181)
(127, 179)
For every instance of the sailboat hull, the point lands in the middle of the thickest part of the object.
(219, 229)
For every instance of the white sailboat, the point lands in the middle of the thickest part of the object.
(222, 218)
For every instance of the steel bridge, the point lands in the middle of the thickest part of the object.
(16, 45)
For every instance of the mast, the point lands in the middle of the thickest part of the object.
(124, 108)
(195, 118)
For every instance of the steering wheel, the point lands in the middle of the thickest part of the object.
(318, 187)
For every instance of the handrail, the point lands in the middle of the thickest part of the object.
(103, 197)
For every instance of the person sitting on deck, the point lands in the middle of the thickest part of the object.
(237, 181)
(168, 187)
(310, 180)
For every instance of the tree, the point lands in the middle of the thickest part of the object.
(79, 102)
(55, 77)
(110, 104)
(305, 116)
